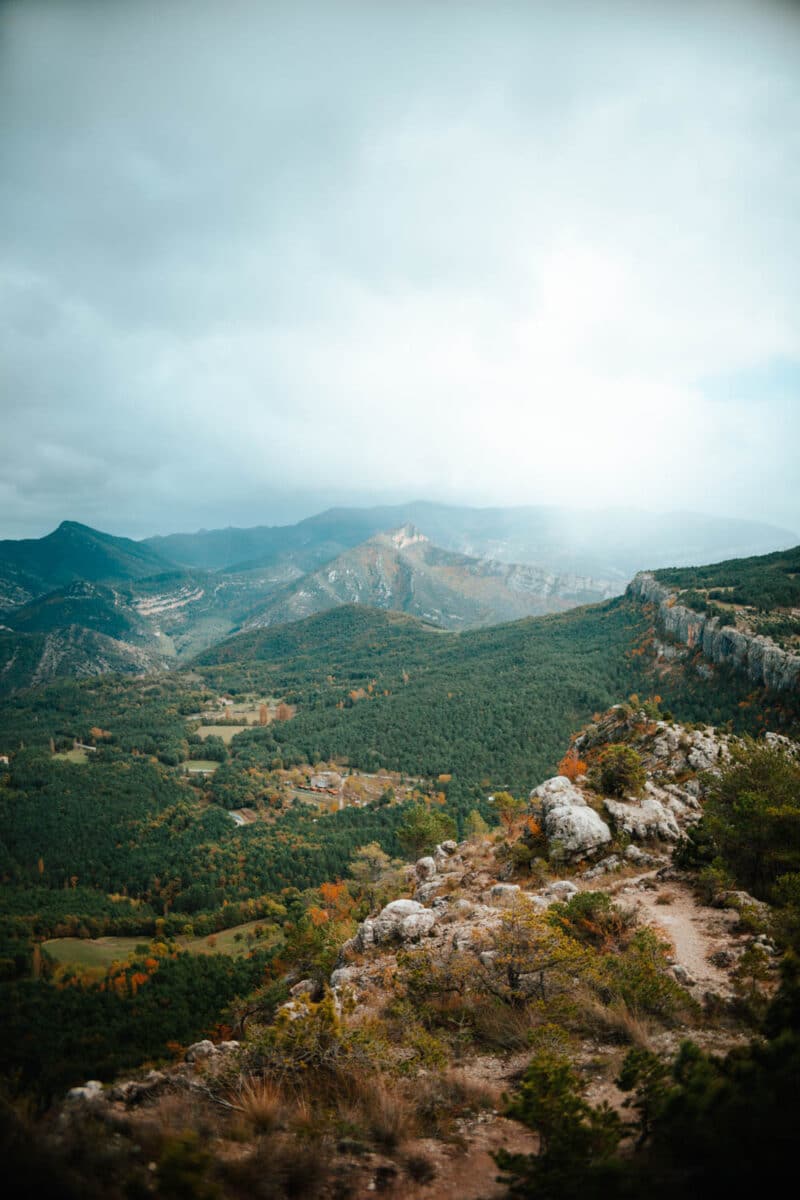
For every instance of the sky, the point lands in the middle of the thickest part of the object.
(261, 258)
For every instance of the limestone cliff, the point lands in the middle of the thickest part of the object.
(755, 656)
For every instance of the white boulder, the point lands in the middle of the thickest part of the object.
(570, 825)
(643, 819)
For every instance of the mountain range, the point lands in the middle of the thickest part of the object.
(79, 601)
(404, 571)
(608, 544)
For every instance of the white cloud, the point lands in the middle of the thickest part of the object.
(491, 253)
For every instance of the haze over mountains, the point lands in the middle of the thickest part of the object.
(609, 544)
(82, 602)
(403, 570)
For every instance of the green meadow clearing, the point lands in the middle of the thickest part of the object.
(102, 952)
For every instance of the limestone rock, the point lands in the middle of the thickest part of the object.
(425, 868)
(344, 975)
(603, 867)
(135, 1091)
(755, 656)
(426, 891)
(562, 889)
(640, 857)
(417, 925)
(504, 891)
(643, 819)
(403, 920)
(89, 1093)
(200, 1050)
(570, 825)
(557, 792)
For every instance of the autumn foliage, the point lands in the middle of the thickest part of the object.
(571, 765)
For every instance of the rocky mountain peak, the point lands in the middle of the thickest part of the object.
(406, 535)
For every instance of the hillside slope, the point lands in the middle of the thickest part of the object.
(376, 688)
(28, 660)
(33, 566)
(403, 570)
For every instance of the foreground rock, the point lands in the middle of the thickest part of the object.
(572, 828)
(400, 921)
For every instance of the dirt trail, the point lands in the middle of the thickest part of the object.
(694, 930)
(463, 1173)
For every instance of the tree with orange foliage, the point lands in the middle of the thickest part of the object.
(571, 765)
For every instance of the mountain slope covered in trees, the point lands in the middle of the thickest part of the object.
(33, 566)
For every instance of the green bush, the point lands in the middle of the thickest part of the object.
(752, 817)
(621, 771)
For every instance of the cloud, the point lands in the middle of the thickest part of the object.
(261, 258)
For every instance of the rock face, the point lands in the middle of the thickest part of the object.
(666, 749)
(199, 1050)
(402, 920)
(644, 818)
(425, 868)
(570, 825)
(755, 656)
(90, 1092)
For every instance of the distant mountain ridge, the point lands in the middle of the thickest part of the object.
(610, 545)
(33, 566)
(404, 571)
(456, 568)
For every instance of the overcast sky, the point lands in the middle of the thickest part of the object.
(257, 258)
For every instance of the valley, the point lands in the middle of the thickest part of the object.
(212, 851)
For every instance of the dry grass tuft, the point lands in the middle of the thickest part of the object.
(420, 1168)
(283, 1168)
(617, 1023)
(262, 1104)
(440, 1098)
(378, 1106)
(502, 1026)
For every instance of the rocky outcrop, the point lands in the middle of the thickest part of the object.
(643, 819)
(572, 828)
(753, 655)
(666, 749)
(400, 921)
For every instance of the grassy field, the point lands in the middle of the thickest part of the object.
(75, 756)
(226, 732)
(89, 953)
(200, 764)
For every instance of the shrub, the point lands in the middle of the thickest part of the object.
(577, 1141)
(571, 765)
(592, 917)
(422, 829)
(640, 978)
(621, 771)
(752, 815)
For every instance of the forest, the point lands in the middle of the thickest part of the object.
(124, 843)
(765, 582)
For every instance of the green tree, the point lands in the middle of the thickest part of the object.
(621, 771)
(753, 816)
(577, 1141)
(422, 829)
(475, 826)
